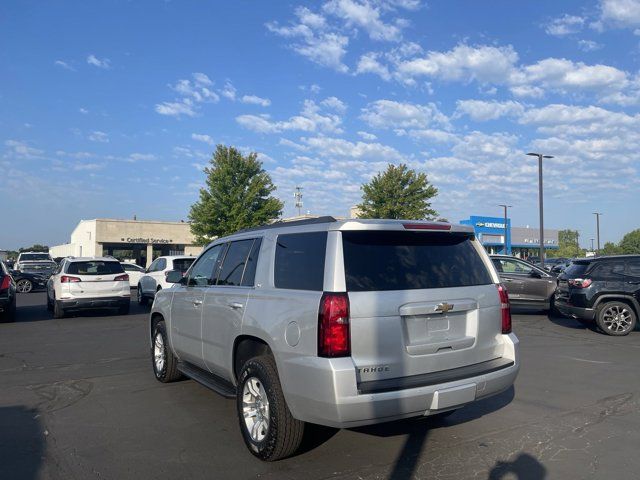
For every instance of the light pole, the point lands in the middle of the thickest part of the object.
(592, 239)
(540, 202)
(506, 230)
(597, 214)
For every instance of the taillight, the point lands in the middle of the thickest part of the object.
(580, 282)
(333, 326)
(122, 278)
(67, 279)
(505, 309)
(6, 282)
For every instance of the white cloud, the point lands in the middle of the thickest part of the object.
(98, 136)
(589, 45)
(367, 136)
(191, 93)
(228, 91)
(369, 63)
(620, 13)
(311, 119)
(335, 104)
(202, 138)
(255, 100)
(103, 63)
(392, 114)
(83, 111)
(367, 16)
(141, 157)
(565, 25)
(481, 111)
(65, 65)
(339, 147)
(20, 149)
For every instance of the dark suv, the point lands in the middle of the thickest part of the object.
(604, 289)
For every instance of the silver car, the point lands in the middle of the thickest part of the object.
(338, 323)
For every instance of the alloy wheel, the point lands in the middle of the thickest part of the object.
(255, 409)
(617, 318)
(24, 286)
(159, 353)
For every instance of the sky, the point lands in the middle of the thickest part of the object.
(111, 109)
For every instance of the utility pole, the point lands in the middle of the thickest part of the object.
(507, 250)
(597, 214)
(592, 239)
(577, 243)
(298, 197)
(540, 202)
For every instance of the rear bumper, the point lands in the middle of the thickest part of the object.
(574, 312)
(98, 302)
(6, 304)
(325, 391)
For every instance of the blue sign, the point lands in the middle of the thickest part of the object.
(491, 227)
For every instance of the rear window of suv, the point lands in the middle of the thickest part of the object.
(576, 270)
(299, 263)
(182, 264)
(385, 260)
(94, 267)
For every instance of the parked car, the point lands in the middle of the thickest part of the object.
(88, 283)
(604, 290)
(528, 285)
(339, 323)
(155, 278)
(135, 273)
(550, 263)
(26, 258)
(7, 295)
(26, 282)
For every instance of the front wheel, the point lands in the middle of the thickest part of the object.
(165, 363)
(58, 311)
(616, 318)
(24, 285)
(142, 300)
(268, 428)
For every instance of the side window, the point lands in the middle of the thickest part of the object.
(203, 271)
(299, 262)
(234, 263)
(609, 271)
(154, 265)
(513, 266)
(634, 268)
(248, 279)
(162, 264)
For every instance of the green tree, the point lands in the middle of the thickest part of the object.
(237, 196)
(398, 192)
(567, 245)
(35, 248)
(610, 248)
(630, 243)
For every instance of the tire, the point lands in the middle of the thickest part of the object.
(10, 315)
(283, 434)
(164, 362)
(49, 304)
(616, 318)
(24, 285)
(142, 300)
(58, 311)
(124, 309)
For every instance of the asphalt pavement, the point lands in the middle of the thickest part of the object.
(78, 400)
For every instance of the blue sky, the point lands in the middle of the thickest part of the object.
(110, 109)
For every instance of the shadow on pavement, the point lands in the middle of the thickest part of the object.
(524, 467)
(22, 444)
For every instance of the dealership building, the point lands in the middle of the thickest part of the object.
(138, 241)
(519, 241)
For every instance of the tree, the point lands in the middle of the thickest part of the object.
(567, 245)
(35, 248)
(398, 192)
(630, 243)
(237, 196)
(610, 248)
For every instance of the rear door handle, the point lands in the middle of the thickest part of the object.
(634, 282)
(235, 305)
(197, 303)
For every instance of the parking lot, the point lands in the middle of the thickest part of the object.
(79, 400)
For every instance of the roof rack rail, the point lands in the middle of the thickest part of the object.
(293, 223)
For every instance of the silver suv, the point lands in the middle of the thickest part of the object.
(338, 323)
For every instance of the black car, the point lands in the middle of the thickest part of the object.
(7, 295)
(605, 290)
(26, 281)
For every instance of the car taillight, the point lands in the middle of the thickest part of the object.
(67, 279)
(122, 278)
(333, 326)
(6, 282)
(505, 309)
(580, 282)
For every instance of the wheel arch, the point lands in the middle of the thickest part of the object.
(246, 347)
(628, 299)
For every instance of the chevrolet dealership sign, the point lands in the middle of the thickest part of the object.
(490, 225)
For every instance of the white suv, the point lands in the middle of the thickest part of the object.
(88, 283)
(156, 276)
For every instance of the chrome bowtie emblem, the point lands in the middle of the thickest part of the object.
(444, 307)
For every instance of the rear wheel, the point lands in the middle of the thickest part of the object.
(165, 363)
(24, 285)
(142, 300)
(268, 428)
(616, 318)
(49, 303)
(58, 311)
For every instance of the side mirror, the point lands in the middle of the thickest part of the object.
(174, 276)
(535, 274)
